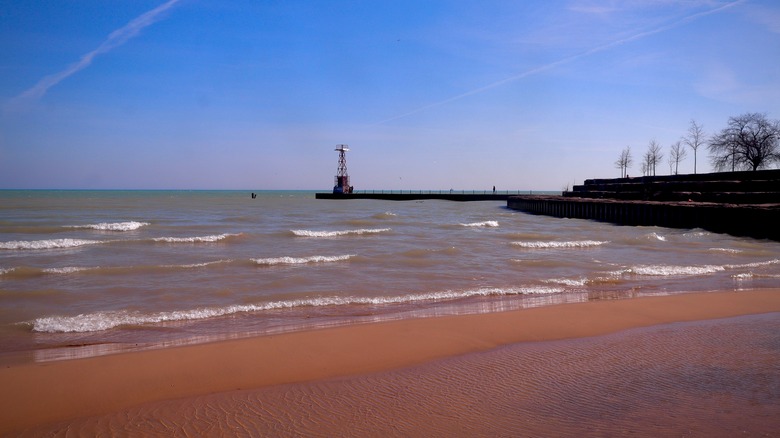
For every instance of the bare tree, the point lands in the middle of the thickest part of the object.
(654, 156)
(624, 162)
(647, 163)
(677, 153)
(750, 141)
(693, 139)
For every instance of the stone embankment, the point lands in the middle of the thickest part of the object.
(737, 203)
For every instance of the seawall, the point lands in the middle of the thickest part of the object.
(743, 203)
(759, 221)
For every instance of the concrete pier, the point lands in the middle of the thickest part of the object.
(420, 195)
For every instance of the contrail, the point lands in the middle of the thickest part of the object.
(114, 40)
(566, 60)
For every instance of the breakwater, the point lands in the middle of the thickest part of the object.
(737, 203)
(413, 195)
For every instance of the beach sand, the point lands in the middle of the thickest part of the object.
(170, 382)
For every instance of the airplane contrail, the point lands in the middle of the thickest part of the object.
(114, 40)
(563, 61)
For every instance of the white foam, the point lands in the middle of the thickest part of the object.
(667, 270)
(65, 270)
(580, 282)
(754, 264)
(726, 250)
(47, 244)
(113, 226)
(6, 270)
(301, 260)
(100, 321)
(656, 236)
(199, 265)
(556, 244)
(196, 239)
(311, 233)
(482, 224)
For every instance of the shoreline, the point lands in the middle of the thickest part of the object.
(39, 393)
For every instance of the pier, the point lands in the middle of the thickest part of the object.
(736, 203)
(414, 195)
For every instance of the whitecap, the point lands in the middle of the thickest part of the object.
(196, 239)
(65, 270)
(580, 282)
(657, 237)
(113, 226)
(47, 244)
(311, 233)
(671, 270)
(726, 250)
(482, 224)
(556, 244)
(301, 260)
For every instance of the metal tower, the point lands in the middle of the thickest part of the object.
(342, 178)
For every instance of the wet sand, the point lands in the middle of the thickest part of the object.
(170, 379)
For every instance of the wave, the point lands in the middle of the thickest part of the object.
(106, 320)
(656, 236)
(482, 224)
(668, 271)
(557, 244)
(569, 281)
(66, 270)
(311, 233)
(112, 226)
(301, 260)
(196, 239)
(726, 250)
(673, 270)
(48, 244)
(385, 215)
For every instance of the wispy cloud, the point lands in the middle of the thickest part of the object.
(570, 59)
(114, 40)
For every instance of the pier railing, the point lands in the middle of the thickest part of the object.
(455, 192)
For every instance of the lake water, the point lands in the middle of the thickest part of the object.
(92, 272)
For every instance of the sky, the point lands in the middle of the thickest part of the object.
(428, 94)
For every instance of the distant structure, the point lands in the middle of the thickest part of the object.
(342, 178)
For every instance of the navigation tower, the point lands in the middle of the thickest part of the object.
(342, 178)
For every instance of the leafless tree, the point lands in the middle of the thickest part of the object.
(653, 156)
(624, 162)
(750, 141)
(693, 139)
(647, 163)
(677, 153)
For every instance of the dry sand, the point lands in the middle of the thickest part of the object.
(44, 392)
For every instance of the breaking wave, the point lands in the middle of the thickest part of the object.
(556, 244)
(311, 233)
(100, 321)
(482, 224)
(48, 244)
(112, 226)
(301, 260)
(196, 239)
(672, 270)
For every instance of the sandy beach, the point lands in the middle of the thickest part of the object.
(35, 394)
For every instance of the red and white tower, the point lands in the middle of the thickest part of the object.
(342, 178)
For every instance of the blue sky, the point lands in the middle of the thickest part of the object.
(432, 94)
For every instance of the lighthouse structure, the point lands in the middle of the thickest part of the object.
(342, 178)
